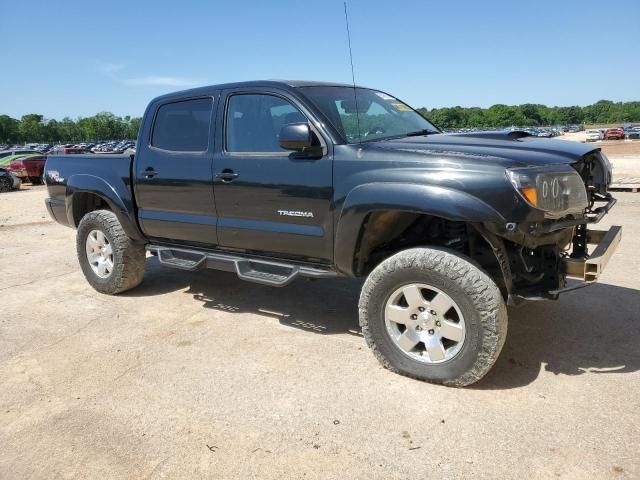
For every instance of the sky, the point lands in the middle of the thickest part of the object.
(76, 58)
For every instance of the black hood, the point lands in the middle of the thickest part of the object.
(501, 147)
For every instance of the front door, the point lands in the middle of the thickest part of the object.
(269, 200)
(172, 169)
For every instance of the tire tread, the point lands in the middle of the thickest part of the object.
(128, 270)
(482, 290)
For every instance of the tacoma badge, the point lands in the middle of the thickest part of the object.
(295, 213)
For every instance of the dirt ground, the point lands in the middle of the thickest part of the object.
(199, 375)
(623, 154)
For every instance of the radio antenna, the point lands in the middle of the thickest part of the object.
(353, 75)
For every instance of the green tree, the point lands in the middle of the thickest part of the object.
(107, 126)
(69, 131)
(9, 129)
(133, 126)
(51, 131)
(32, 128)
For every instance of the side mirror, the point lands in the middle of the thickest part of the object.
(296, 136)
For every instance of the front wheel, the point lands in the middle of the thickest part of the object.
(111, 262)
(433, 315)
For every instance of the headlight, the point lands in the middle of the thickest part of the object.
(557, 192)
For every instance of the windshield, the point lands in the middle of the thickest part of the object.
(379, 116)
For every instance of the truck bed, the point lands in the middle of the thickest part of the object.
(64, 174)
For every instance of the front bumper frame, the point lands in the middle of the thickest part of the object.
(583, 271)
(588, 269)
(586, 219)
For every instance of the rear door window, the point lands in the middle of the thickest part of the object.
(183, 126)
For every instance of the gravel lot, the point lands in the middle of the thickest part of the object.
(202, 375)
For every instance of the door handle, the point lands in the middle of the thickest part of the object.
(150, 172)
(227, 175)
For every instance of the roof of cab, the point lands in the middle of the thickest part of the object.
(284, 84)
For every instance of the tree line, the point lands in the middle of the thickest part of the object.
(35, 128)
(532, 115)
(107, 126)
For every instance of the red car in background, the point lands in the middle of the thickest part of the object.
(29, 168)
(67, 150)
(614, 134)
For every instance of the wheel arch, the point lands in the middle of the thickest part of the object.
(397, 206)
(86, 193)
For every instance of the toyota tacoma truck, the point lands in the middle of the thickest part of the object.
(275, 180)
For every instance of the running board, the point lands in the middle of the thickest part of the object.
(271, 273)
(184, 261)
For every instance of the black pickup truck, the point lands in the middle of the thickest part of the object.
(278, 180)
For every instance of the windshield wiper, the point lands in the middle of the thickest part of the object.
(419, 133)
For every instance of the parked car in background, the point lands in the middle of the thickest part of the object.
(29, 168)
(66, 150)
(44, 147)
(4, 162)
(614, 134)
(545, 132)
(8, 181)
(594, 135)
(633, 134)
(74, 149)
(122, 146)
(15, 151)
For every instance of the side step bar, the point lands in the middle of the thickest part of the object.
(271, 273)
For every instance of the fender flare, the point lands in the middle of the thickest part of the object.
(422, 199)
(119, 200)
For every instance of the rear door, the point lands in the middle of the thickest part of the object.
(172, 170)
(270, 201)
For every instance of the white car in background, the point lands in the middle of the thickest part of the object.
(594, 135)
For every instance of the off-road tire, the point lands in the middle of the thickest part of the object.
(6, 185)
(128, 256)
(477, 296)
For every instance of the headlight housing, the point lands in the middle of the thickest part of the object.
(557, 190)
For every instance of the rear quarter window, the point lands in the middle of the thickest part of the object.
(183, 126)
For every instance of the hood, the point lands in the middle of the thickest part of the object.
(506, 148)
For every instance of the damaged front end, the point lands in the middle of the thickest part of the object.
(544, 257)
(595, 170)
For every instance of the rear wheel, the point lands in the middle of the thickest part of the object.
(111, 262)
(433, 315)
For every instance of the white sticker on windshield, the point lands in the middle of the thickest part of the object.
(384, 96)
